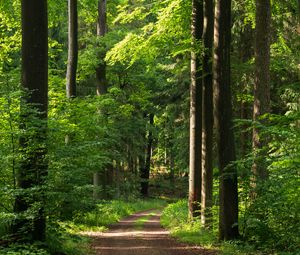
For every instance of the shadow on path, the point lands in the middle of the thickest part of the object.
(125, 238)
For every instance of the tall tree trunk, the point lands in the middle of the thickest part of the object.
(145, 172)
(246, 53)
(298, 11)
(101, 31)
(96, 184)
(172, 171)
(72, 49)
(228, 228)
(33, 166)
(100, 77)
(195, 112)
(207, 116)
(262, 85)
(118, 179)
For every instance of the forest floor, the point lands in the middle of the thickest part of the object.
(141, 234)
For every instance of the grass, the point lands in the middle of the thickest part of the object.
(108, 212)
(175, 218)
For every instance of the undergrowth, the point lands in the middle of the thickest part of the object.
(175, 218)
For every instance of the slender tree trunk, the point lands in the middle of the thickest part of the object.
(228, 228)
(136, 166)
(145, 174)
(207, 116)
(172, 170)
(109, 180)
(262, 85)
(118, 179)
(33, 166)
(298, 11)
(101, 31)
(100, 75)
(72, 49)
(96, 184)
(246, 53)
(195, 112)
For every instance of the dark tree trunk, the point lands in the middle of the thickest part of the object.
(145, 172)
(207, 116)
(298, 11)
(100, 74)
(136, 166)
(118, 179)
(228, 228)
(101, 31)
(246, 52)
(72, 49)
(172, 169)
(195, 112)
(262, 85)
(34, 106)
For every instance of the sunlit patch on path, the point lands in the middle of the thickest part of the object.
(125, 238)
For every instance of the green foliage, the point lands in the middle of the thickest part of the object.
(271, 221)
(175, 218)
(23, 249)
(167, 33)
(62, 239)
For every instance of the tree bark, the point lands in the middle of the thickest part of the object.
(228, 228)
(96, 184)
(262, 85)
(195, 112)
(246, 53)
(100, 74)
(172, 169)
(207, 116)
(72, 49)
(298, 11)
(34, 106)
(145, 172)
(101, 31)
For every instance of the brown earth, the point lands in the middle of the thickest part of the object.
(128, 238)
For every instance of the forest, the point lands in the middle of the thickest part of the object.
(167, 127)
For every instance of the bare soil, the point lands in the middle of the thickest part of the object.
(126, 238)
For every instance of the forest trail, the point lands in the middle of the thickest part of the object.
(141, 234)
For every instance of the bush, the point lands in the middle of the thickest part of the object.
(23, 249)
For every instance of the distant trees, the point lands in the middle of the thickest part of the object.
(145, 167)
(32, 170)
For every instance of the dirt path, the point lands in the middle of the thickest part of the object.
(141, 234)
